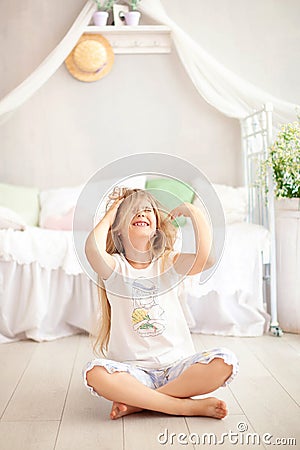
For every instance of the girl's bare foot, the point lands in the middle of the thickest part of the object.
(120, 409)
(209, 407)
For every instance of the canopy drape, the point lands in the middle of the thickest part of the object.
(219, 86)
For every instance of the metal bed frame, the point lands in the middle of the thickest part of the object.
(257, 131)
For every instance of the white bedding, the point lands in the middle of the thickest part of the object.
(41, 304)
(231, 302)
(44, 293)
(52, 249)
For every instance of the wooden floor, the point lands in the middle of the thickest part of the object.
(45, 406)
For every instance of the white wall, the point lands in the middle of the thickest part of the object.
(258, 39)
(69, 129)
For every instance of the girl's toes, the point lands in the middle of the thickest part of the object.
(113, 414)
(221, 409)
(122, 407)
(118, 410)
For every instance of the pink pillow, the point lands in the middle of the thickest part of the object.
(60, 222)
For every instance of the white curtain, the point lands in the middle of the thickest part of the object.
(48, 67)
(219, 86)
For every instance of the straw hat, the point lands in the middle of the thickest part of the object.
(91, 58)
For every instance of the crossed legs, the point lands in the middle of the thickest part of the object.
(130, 395)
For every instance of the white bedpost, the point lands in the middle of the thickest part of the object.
(256, 130)
(274, 326)
(243, 125)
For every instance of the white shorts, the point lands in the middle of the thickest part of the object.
(155, 378)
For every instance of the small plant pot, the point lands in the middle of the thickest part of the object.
(100, 18)
(132, 18)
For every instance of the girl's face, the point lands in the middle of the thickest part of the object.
(139, 219)
(142, 219)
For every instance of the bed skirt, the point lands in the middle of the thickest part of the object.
(42, 304)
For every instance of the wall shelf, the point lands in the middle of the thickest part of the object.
(135, 40)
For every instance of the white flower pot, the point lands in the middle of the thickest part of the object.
(287, 213)
(132, 18)
(100, 18)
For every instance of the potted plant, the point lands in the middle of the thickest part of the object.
(284, 163)
(100, 16)
(132, 17)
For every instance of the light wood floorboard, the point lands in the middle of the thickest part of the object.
(283, 363)
(45, 406)
(148, 429)
(38, 435)
(14, 358)
(85, 423)
(293, 340)
(267, 405)
(41, 393)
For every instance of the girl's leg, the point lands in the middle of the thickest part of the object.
(124, 388)
(197, 379)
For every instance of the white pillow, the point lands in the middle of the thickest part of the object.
(10, 219)
(57, 202)
(234, 201)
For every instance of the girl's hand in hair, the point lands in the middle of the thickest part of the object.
(185, 209)
(112, 211)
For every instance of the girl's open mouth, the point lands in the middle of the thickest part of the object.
(140, 223)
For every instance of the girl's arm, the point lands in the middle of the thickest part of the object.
(189, 263)
(95, 247)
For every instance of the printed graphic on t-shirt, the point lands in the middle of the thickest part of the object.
(148, 315)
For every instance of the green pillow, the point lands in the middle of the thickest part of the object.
(22, 200)
(161, 188)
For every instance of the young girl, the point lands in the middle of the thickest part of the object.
(152, 363)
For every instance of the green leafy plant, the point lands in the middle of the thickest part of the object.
(104, 5)
(284, 161)
(134, 4)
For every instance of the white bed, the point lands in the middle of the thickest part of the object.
(232, 301)
(44, 294)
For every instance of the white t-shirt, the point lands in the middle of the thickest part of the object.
(148, 327)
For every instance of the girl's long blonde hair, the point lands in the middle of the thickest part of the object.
(162, 243)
